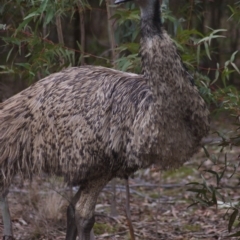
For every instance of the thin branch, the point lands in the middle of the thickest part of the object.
(128, 213)
(82, 29)
(113, 60)
(158, 203)
(60, 35)
(113, 212)
(190, 15)
(111, 31)
(59, 30)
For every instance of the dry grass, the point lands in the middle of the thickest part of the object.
(53, 207)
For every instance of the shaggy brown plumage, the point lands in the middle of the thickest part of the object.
(93, 123)
(79, 123)
(84, 122)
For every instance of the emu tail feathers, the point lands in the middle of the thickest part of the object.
(14, 139)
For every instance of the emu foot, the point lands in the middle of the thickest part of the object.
(84, 227)
(71, 223)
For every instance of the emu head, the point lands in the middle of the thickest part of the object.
(140, 3)
(147, 7)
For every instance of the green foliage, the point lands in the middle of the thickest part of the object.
(100, 228)
(235, 13)
(25, 39)
(43, 56)
(193, 46)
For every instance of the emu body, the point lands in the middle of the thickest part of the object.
(90, 124)
(88, 121)
(74, 123)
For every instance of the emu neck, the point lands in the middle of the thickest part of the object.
(150, 18)
(160, 61)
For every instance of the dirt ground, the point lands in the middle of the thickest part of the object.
(159, 202)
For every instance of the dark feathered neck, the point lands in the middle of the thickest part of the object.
(151, 19)
(157, 51)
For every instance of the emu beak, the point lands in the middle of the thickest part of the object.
(121, 1)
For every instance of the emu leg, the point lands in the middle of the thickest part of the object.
(85, 208)
(71, 221)
(71, 225)
(85, 228)
(71, 218)
(7, 224)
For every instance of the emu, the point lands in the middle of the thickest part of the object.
(91, 124)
